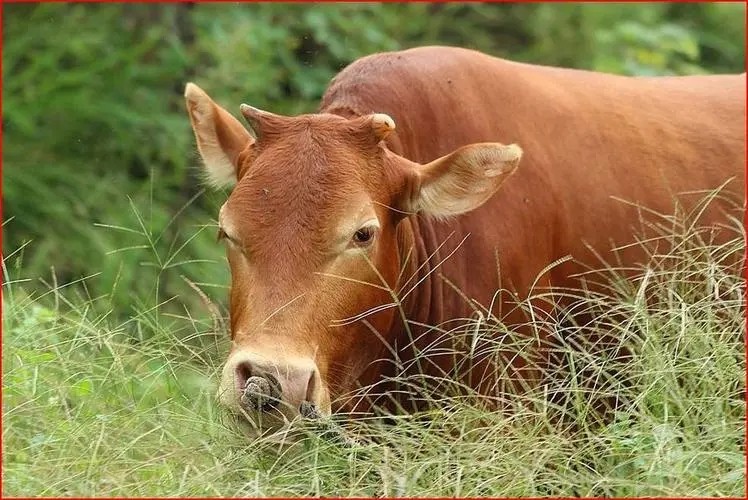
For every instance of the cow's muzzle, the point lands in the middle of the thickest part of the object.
(272, 389)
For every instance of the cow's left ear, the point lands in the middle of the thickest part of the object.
(463, 180)
(220, 137)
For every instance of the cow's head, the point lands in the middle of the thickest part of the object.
(315, 245)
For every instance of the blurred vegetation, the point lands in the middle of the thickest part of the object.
(100, 173)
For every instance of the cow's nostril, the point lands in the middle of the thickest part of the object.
(242, 374)
(311, 386)
(256, 393)
(309, 410)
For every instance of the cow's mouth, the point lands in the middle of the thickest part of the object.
(309, 411)
(274, 428)
(263, 411)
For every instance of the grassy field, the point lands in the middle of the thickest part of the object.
(95, 405)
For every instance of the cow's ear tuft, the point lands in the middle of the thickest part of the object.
(465, 179)
(220, 137)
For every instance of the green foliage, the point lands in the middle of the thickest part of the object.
(92, 117)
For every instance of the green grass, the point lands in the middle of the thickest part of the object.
(93, 405)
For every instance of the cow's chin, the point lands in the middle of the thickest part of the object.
(280, 433)
(272, 427)
(265, 427)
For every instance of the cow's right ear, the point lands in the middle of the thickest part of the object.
(221, 138)
(463, 180)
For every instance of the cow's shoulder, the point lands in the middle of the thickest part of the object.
(401, 74)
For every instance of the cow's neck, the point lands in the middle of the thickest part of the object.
(419, 290)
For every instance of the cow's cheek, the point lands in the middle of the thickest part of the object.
(371, 341)
(239, 299)
(348, 351)
(376, 338)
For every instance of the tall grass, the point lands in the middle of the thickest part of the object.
(93, 405)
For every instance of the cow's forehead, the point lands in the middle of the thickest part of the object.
(303, 184)
(316, 146)
(305, 193)
(305, 167)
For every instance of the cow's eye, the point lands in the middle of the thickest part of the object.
(364, 236)
(222, 236)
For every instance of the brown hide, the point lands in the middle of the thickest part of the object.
(588, 138)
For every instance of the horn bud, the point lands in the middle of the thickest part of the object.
(254, 118)
(382, 125)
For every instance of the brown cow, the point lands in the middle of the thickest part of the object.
(336, 214)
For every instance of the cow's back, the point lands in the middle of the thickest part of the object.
(589, 139)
